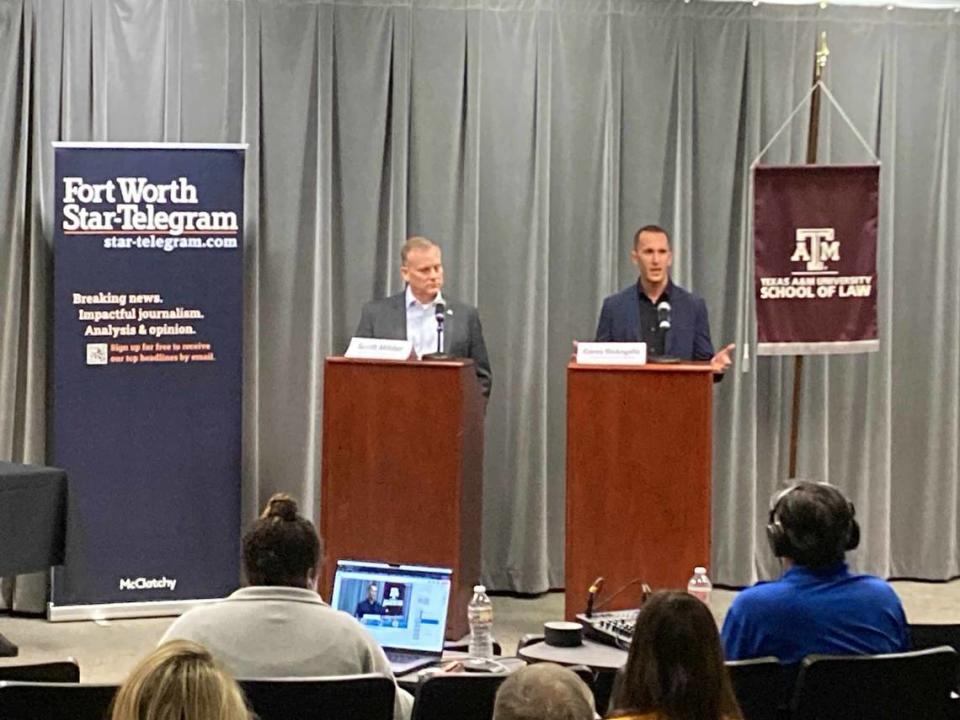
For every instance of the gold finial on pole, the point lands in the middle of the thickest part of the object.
(820, 55)
(823, 52)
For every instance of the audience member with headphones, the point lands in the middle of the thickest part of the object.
(817, 605)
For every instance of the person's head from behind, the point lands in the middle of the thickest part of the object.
(675, 666)
(544, 691)
(179, 681)
(812, 524)
(283, 547)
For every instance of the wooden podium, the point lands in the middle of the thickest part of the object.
(402, 477)
(638, 478)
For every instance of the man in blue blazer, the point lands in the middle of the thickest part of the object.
(634, 314)
(411, 314)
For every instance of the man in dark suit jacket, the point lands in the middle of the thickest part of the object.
(409, 315)
(631, 315)
(369, 605)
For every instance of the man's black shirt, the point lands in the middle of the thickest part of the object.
(365, 607)
(650, 331)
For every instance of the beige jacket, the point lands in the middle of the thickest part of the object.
(285, 632)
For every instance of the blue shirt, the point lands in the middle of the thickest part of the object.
(829, 610)
(422, 323)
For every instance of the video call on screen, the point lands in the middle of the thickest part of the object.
(400, 610)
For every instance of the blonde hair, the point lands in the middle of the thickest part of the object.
(179, 681)
(415, 242)
(544, 691)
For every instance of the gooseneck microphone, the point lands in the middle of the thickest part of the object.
(438, 311)
(439, 314)
(663, 314)
(592, 594)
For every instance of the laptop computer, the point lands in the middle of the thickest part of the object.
(403, 606)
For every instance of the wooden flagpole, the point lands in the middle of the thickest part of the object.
(813, 133)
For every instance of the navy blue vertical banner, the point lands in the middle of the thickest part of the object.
(148, 333)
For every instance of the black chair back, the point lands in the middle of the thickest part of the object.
(528, 639)
(587, 674)
(929, 636)
(876, 687)
(346, 697)
(925, 636)
(762, 687)
(60, 671)
(55, 701)
(464, 696)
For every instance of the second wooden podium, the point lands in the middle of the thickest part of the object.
(638, 478)
(402, 477)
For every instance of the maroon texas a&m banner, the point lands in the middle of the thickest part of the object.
(815, 244)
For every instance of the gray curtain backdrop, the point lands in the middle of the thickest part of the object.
(529, 138)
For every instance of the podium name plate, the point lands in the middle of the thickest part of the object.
(379, 349)
(612, 353)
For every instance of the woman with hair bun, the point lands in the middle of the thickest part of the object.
(675, 668)
(179, 681)
(278, 626)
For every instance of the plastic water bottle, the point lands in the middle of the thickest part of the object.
(700, 586)
(480, 618)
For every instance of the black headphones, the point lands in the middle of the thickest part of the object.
(785, 543)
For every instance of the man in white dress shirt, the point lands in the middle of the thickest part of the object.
(411, 314)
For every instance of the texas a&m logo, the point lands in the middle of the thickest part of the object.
(816, 247)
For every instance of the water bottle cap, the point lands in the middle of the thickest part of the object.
(479, 589)
(700, 570)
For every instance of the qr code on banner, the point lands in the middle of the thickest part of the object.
(97, 354)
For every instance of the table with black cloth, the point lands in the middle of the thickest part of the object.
(33, 513)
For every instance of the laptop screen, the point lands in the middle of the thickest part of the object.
(403, 606)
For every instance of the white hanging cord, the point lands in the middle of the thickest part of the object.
(806, 98)
(849, 123)
(778, 133)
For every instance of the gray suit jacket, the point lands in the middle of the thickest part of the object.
(463, 334)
